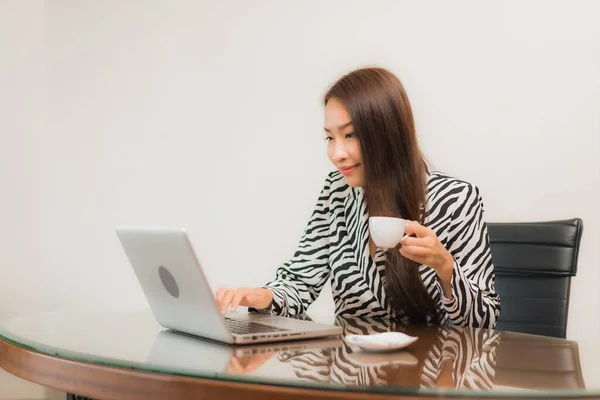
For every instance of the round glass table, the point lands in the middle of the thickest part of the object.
(128, 355)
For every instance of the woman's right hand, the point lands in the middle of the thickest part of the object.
(230, 299)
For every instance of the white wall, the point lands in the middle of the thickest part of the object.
(208, 115)
(22, 110)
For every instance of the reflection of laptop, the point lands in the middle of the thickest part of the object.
(184, 353)
(181, 298)
(174, 348)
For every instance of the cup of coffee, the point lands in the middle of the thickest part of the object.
(386, 232)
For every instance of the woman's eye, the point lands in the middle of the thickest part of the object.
(349, 135)
(328, 138)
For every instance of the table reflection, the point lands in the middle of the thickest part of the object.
(443, 357)
(452, 358)
(449, 357)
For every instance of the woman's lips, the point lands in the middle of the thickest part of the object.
(347, 170)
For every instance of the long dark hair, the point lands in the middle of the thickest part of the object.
(395, 171)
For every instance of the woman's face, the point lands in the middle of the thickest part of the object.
(343, 148)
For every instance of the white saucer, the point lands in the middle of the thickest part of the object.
(382, 341)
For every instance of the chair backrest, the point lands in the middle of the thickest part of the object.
(534, 263)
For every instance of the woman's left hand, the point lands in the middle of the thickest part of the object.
(427, 249)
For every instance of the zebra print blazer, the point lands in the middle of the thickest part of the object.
(335, 245)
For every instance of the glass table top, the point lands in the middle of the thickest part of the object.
(443, 360)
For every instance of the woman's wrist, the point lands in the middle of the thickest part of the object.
(266, 298)
(444, 274)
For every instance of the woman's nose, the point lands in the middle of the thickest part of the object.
(339, 152)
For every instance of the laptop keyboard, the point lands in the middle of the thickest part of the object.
(244, 327)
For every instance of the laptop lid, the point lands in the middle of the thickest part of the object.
(173, 282)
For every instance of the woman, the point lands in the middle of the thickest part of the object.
(443, 273)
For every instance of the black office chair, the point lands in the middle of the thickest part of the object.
(534, 263)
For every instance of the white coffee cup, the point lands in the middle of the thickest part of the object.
(386, 232)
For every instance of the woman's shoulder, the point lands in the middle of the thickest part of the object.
(444, 189)
(440, 181)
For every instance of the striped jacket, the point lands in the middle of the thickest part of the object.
(335, 246)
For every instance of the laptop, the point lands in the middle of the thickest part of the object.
(181, 298)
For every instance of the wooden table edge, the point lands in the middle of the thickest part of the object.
(105, 382)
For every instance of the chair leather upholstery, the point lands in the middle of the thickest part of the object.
(534, 263)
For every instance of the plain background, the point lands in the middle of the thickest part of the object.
(208, 115)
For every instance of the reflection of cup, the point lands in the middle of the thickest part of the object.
(386, 232)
